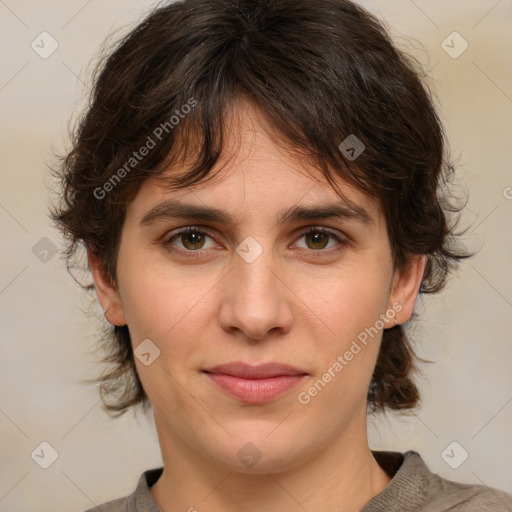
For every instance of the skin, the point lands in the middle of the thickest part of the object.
(301, 302)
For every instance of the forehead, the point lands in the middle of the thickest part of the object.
(258, 173)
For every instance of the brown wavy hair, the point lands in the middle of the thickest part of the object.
(319, 70)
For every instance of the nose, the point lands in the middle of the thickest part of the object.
(256, 298)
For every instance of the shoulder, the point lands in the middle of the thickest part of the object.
(414, 487)
(139, 501)
(458, 497)
(119, 505)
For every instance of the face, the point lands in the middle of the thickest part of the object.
(254, 285)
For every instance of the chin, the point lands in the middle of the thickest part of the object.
(262, 453)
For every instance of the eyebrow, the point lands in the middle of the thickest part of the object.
(172, 209)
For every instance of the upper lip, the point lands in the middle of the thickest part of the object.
(261, 371)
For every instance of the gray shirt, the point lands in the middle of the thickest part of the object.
(413, 488)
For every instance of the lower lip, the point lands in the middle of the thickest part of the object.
(255, 390)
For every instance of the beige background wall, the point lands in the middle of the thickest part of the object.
(46, 341)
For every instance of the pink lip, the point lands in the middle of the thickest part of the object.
(255, 384)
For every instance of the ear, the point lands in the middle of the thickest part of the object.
(108, 294)
(406, 285)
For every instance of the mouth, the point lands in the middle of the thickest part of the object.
(255, 384)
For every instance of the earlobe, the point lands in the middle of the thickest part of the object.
(108, 294)
(406, 286)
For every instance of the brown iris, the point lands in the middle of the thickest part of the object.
(320, 240)
(197, 240)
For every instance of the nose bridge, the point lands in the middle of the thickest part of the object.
(253, 267)
(254, 301)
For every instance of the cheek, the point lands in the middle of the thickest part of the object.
(347, 352)
(348, 300)
(172, 310)
(155, 297)
(155, 309)
(347, 341)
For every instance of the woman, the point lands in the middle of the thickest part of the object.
(258, 187)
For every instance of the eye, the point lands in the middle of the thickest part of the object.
(317, 239)
(191, 239)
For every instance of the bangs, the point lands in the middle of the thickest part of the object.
(311, 94)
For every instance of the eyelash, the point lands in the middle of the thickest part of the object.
(167, 243)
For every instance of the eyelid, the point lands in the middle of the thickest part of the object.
(324, 229)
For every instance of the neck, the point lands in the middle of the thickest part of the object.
(343, 477)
